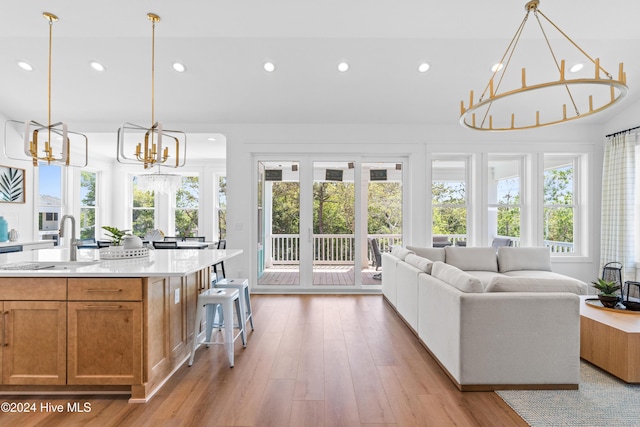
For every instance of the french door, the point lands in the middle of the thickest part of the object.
(314, 221)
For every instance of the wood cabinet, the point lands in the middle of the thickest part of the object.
(34, 326)
(96, 333)
(105, 331)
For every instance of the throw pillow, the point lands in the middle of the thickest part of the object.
(456, 277)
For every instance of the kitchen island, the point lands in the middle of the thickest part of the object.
(98, 326)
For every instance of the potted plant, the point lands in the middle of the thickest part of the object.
(115, 234)
(607, 289)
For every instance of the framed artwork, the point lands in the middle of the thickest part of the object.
(12, 185)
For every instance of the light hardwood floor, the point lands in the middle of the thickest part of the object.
(313, 360)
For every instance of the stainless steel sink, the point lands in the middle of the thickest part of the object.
(48, 265)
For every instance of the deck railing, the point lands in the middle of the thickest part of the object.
(340, 248)
(327, 248)
(556, 247)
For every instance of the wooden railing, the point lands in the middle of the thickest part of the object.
(327, 248)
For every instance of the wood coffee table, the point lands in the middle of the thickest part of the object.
(611, 340)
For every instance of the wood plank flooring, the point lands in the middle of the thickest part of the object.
(313, 360)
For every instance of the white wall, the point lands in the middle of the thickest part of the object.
(20, 215)
(417, 143)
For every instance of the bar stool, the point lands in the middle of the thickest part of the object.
(214, 300)
(242, 285)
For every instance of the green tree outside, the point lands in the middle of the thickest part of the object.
(186, 214)
(449, 208)
(143, 211)
(88, 203)
(558, 200)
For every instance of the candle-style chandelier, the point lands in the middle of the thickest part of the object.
(578, 97)
(50, 143)
(149, 147)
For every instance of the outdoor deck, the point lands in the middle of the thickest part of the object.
(324, 275)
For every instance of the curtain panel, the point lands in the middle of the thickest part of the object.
(618, 203)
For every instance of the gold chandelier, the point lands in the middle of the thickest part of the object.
(495, 111)
(151, 151)
(58, 143)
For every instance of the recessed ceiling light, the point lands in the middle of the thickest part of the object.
(97, 66)
(577, 67)
(497, 67)
(179, 67)
(343, 66)
(424, 67)
(269, 67)
(25, 66)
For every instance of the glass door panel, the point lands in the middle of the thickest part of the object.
(333, 237)
(278, 223)
(382, 203)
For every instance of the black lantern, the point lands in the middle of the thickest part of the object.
(612, 272)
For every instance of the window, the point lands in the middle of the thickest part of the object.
(143, 210)
(50, 203)
(87, 205)
(222, 207)
(186, 213)
(449, 199)
(559, 203)
(504, 198)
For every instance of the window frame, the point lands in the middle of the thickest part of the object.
(468, 191)
(522, 176)
(174, 208)
(580, 213)
(96, 203)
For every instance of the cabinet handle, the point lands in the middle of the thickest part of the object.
(4, 327)
(103, 290)
(113, 307)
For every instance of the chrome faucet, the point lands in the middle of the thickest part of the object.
(73, 243)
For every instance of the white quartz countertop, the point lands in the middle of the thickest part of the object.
(165, 262)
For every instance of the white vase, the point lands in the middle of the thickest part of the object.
(131, 242)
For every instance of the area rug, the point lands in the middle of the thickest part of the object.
(601, 400)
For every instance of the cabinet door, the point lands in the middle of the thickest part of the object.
(105, 343)
(34, 347)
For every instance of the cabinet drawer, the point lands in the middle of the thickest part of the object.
(98, 289)
(33, 289)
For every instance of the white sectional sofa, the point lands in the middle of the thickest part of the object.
(492, 320)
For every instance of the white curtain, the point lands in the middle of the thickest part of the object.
(618, 203)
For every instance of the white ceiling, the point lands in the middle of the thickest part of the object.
(224, 45)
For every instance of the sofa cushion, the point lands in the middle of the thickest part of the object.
(529, 258)
(422, 264)
(475, 258)
(484, 276)
(434, 254)
(400, 252)
(456, 277)
(536, 284)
